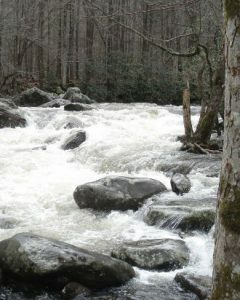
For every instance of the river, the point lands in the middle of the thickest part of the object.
(123, 139)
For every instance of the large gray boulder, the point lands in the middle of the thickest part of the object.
(10, 115)
(74, 95)
(35, 259)
(74, 140)
(196, 284)
(180, 184)
(161, 255)
(116, 193)
(32, 97)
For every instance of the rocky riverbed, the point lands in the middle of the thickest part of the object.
(158, 232)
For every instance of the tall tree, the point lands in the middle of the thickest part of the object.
(226, 275)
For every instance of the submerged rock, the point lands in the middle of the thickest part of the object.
(74, 95)
(77, 107)
(56, 103)
(38, 260)
(198, 285)
(164, 255)
(116, 193)
(32, 97)
(74, 140)
(180, 218)
(180, 184)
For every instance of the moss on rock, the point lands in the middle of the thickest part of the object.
(232, 8)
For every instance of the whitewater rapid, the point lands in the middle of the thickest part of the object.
(123, 139)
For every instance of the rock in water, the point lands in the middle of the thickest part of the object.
(116, 193)
(162, 254)
(74, 95)
(74, 140)
(32, 97)
(74, 289)
(35, 259)
(9, 115)
(180, 184)
(198, 285)
(77, 107)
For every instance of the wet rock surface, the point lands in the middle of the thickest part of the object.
(198, 285)
(182, 218)
(74, 95)
(164, 255)
(30, 258)
(74, 140)
(32, 97)
(116, 193)
(10, 116)
(180, 184)
(77, 107)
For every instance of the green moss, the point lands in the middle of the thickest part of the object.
(228, 283)
(229, 209)
(232, 8)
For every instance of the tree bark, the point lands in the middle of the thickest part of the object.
(187, 114)
(226, 275)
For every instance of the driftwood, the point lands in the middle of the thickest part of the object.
(199, 149)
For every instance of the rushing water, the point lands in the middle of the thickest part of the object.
(134, 140)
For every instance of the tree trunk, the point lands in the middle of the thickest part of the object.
(187, 114)
(226, 275)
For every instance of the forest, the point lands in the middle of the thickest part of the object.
(119, 149)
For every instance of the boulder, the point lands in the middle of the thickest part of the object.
(74, 289)
(164, 254)
(116, 193)
(202, 220)
(74, 95)
(180, 184)
(32, 97)
(180, 218)
(74, 140)
(196, 284)
(37, 260)
(77, 107)
(56, 103)
(9, 115)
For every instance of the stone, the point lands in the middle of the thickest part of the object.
(74, 289)
(163, 254)
(77, 107)
(180, 184)
(32, 97)
(11, 118)
(74, 95)
(116, 193)
(184, 218)
(37, 260)
(196, 284)
(74, 140)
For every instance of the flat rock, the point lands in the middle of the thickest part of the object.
(198, 285)
(164, 255)
(116, 193)
(74, 140)
(32, 97)
(35, 259)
